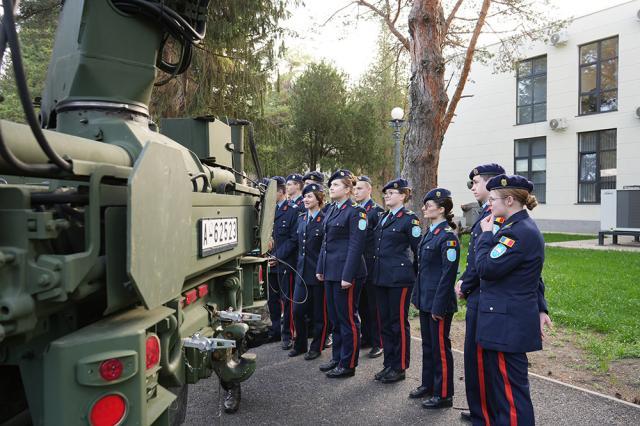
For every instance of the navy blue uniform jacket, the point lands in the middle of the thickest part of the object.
(285, 226)
(374, 214)
(309, 242)
(509, 264)
(396, 249)
(341, 255)
(470, 278)
(299, 203)
(438, 259)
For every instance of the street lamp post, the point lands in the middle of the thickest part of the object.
(396, 122)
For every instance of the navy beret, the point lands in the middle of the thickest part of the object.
(487, 169)
(339, 174)
(312, 187)
(436, 194)
(314, 176)
(364, 178)
(296, 177)
(514, 181)
(396, 184)
(279, 180)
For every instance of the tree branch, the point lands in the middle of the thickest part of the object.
(452, 15)
(467, 65)
(388, 21)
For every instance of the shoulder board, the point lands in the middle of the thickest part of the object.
(293, 206)
(507, 226)
(354, 204)
(448, 229)
(410, 212)
(507, 241)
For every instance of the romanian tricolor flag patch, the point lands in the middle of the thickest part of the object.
(451, 243)
(499, 220)
(363, 215)
(415, 222)
(507, 241)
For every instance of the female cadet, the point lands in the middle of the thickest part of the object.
(396, 238)
(509, 264)
(435, 298)
(308, 296)
(341, 266)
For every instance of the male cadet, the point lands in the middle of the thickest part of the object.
(294, 191)
(313, 177)
(468, 288)
(368, 304)
(280, 278)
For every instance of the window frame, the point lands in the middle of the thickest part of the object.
(598, 151)
(532, 76)
(530, 157)
(598, 63)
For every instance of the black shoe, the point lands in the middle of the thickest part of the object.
(294, 352)
(232, 399)
(286, 345)
(380, 374)
(328, 341)
(328, 366)
(392, 376)
(436, 402)
(465, 416)
(340, 372)
(375, 352)
(311, 355)
(420, 392)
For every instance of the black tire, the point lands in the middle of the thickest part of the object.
(178, 409)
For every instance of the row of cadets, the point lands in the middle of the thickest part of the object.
(280, 278)
(368, 308)
(468, 287)
(434, 297)
(396, 238)
(342, 269)
(309, 297)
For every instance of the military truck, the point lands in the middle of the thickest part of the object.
(127, 252)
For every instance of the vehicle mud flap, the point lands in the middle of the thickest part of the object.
(234, 365)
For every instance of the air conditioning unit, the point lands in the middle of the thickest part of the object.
(638, 112)
(559, 38)
(558, 123)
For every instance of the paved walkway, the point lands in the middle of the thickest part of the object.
(285, 391)
(625, 243)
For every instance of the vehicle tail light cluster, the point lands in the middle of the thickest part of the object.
(111, 369)
(109, 410)
(152, 351)
(194, 294)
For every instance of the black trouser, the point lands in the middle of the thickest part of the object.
(393, 304)
(473, 361)
(370, 316)
(437, 359)
(310, 303)
(280, 289)
(342, 305)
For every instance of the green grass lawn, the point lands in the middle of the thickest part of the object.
(595, 293)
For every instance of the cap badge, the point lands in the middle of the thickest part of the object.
(503, 182)
(395, 185)
(438, 194)
(475, 171)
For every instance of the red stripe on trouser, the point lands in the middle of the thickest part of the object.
(403, 336)
(507, 390)
(483, 394)
(292, 326)
(354, 329)
(323, 335)
(379, 325)
(443, 358)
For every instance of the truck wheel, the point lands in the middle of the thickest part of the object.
(178, 409)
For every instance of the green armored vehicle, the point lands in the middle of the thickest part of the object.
(127, 254)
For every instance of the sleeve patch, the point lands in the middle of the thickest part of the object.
(362, 224)
(415, 222)
(363, 215)
(452, 255)
(507, 241)
(416, 231)
(498, 251)
(452, 243)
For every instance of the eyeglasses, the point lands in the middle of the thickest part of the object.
(390, 193)
(491, 199)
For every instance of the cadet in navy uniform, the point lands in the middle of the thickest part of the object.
(435, 298)
(294, 190)
(509, 264)
(394, 273)
(313, 177)
(281, 276)
(468, 288)
(342, 269)
(310, 300)
(369, 314)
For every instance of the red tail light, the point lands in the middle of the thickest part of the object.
(108, 410)
(153, 351)
(190, 297)
(111, 369)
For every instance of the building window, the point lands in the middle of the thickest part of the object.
(530, 161)
(599, 76)
(532, 90)
(596, 164)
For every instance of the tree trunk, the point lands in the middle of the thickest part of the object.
(423, 139)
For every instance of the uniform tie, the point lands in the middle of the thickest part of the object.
(390, 215)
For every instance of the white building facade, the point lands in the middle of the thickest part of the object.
(587, 86)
